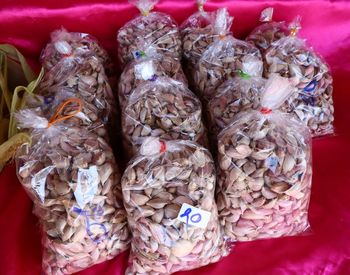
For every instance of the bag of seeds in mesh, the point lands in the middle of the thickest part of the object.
(168, 190)
(236, 95)
(156, 28)
(264, 177)
(222, 58)
(264, 35)
(71, 176)
(313, 104)
(72, 45)
(147, 63)
(164, 108)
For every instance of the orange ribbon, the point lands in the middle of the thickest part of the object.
(57, 117)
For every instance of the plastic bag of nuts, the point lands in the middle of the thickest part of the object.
(264, 177)
(264, 35)
(156, 28)
(198, 32)
(313, 104)
(168, 190)
(222, 58)
(236, 95)
(163, 108)
(73, 45)
(49, 100)
(147, 64)
(86, 79)
(71, 176)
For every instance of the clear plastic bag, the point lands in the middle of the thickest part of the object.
(313, 104)
(72, 45)
(147, 64)
(49, 101)
(155, 28)
(264, 177)
(198, 33)
(163, 108)
(71, 176)
(85, 78)
(236, 95)
(269, 32)
(222, 58)
(168, 190)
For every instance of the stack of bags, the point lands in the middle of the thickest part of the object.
(70, 171)
(169, 184)
(263, 99)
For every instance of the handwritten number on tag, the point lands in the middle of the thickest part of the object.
(195, 218)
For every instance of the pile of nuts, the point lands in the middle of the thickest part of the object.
(159, 180)
(264, 177)
(313, 102)
(156, 29)
(162, 108)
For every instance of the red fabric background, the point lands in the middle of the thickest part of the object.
(326, 26)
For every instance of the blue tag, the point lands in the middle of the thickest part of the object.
(272, 162)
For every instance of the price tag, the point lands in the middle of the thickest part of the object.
(193, 216)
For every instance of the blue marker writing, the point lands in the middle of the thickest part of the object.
(311, 86)
(97, 213)
(196, 218)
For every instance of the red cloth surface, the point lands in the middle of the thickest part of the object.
(326, 25)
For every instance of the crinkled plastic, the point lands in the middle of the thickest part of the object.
(153, 28)
(162, 108)
(143, 68)
(264, 35)
(198, 33)
(313, 104)
(65, 44)
(264, 175)
(235, 95)
(71, 176)
(221, 60)
(87, 118)
(168, 190)
(85, 78)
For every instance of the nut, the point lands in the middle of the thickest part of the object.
(161, 243)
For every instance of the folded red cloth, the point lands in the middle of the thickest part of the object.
(326, 25)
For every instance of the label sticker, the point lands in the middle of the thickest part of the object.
(145, 70)
(193, 216)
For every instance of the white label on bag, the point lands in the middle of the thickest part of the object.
(193, 216)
